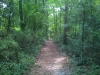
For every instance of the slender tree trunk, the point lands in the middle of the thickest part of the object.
(83, 34)
(56, 22)
(35, 22)
(60, 20)
(44, 12)
(83, 23)
(43, 1)
(9, 24)
(83, 20)
(35, 1)
(21, 15)
(65, 26)
(9, 17)
(93, 25)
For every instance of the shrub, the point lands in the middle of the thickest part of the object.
(9, 49)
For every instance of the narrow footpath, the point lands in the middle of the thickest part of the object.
(50, 61)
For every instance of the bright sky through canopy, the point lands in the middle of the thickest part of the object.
(3, 5)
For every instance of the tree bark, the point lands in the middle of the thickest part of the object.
(60, 20)
(65, 26)
(21, 16)
(9, 16)
(35, 1)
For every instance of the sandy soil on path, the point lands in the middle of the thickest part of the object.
(50, 61)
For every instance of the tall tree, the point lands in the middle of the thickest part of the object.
(65, 24)
(10, 6)
(21, 15)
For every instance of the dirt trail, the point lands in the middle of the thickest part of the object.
(50, 61)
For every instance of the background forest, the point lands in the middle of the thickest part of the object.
(73, 24)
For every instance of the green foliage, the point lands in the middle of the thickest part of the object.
(13, 68)
(82, 34)
(8, 49)
(22, 31)
(18, 52)
(87, 70)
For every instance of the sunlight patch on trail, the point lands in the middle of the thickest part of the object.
(56, 65)
(58, 60)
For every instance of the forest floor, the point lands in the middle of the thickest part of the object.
(50, 61)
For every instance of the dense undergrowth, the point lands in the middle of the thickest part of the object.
(18, 51)
(83, 63)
